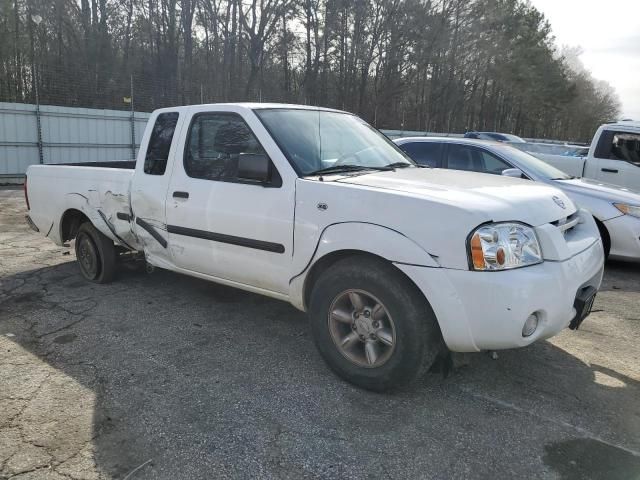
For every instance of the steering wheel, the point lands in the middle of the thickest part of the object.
(304, 163)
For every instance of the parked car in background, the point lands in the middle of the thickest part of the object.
(553, 152)
(315, 207)
(613, 157)
(616, 209)
(495, 136)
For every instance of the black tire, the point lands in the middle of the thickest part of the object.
(417, 338)
(96, 254)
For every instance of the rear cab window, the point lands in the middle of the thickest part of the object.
(623, 146)
(155, 161)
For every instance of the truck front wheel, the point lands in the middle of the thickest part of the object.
(95, 253)
(372, 325)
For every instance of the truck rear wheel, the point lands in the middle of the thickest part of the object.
(95, 253)
(371, 324)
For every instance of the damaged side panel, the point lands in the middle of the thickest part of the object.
(110, 212)
(100, 194)
(148, 195)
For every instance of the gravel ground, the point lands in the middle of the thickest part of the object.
(187, 379)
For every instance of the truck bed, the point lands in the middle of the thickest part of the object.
(569, 165)
(99, 190)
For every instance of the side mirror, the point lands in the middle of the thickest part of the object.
(254, 167)
(512, 172)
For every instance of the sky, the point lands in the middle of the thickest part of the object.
(609, 33)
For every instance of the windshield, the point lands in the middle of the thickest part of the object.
(314, 140)
(532, 164)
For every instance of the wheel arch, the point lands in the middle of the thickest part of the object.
(70, 222)
(604, 234)
(325, 262)
(342, 240)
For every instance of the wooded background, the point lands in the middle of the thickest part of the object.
(435, 65)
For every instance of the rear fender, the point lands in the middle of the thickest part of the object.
(106, 222)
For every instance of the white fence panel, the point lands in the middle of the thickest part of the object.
(76, 135)
(69, 135)
(18, 137)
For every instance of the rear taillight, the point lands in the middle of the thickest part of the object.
(26, 195)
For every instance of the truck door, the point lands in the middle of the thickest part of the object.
(617, 159)
(150, 184)
(220, 225)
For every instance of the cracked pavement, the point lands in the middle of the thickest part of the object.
(164, 376)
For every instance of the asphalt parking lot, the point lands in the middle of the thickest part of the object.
(164, 376)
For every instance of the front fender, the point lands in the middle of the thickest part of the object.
(600, 208)
(365, 237)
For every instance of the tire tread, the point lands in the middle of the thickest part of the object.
(106, 252)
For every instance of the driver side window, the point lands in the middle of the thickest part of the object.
(214, 146)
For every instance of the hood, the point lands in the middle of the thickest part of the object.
(489, 197)
(604, 191)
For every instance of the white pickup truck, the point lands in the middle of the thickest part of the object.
(392, 261)
(613, 157)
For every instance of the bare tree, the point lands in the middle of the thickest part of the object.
(439, 65)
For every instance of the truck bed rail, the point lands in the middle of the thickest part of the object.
(123, 164)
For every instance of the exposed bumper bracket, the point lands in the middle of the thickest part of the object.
(583, 304)
(31, 224)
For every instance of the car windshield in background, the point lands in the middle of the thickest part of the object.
(317, 140)
(531, 163)
(553, 149)
(495, 136)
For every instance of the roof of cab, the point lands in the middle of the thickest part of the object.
(634, 125)
(255, 106)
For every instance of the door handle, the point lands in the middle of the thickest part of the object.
(609, 170)
(180, 194)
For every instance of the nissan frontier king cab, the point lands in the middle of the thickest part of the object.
(391, 261)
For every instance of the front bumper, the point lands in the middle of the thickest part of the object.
(487, 310)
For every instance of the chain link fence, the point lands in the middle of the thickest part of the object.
(71, 113)
(65, 113)
(75, 86)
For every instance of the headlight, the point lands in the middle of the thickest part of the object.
(632, 210)
(501, 246)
